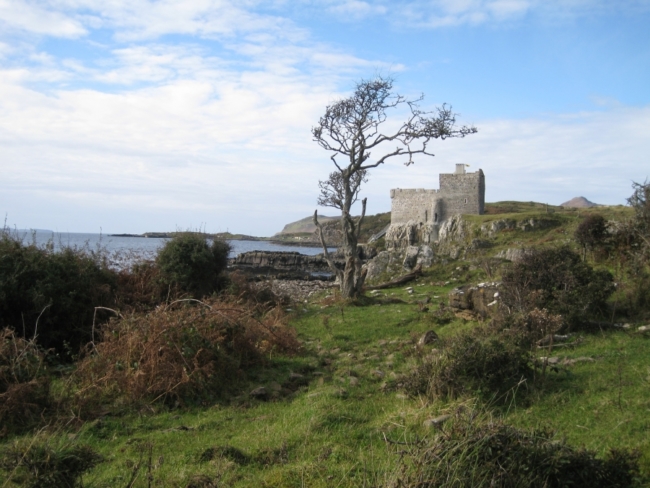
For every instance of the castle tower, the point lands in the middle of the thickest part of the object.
(423, 211)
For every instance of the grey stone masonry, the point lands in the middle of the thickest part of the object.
(419, 213)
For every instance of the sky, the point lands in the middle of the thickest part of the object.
(137, 115)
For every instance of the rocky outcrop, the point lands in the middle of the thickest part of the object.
(513, 254)
(401, 236)
(481, 299)
(298, 290)
(293, 265)
(397, 261)
(279, 261)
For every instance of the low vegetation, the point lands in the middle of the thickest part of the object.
(227, 384)
(187, 262)
(51, 296)
(558, 280)
(476, 452)
(179, 354)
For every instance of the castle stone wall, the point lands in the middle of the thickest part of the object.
(463, 193)
(412, 204)
(411, 209)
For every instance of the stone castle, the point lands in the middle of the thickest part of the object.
(418, 214)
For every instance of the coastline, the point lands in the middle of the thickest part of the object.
(226, 237)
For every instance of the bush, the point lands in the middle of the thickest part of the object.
(591, 232)
(51, 294)
(140, 288)
(188, 262)
(48, 465)
(493, 454)
(474, 363)
(527, 328)
(24, 384)
(636, 294)
(557, 280)
(179, 353)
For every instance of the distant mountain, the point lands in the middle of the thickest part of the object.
(579, 202)
(305, 225)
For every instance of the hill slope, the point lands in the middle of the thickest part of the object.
(579, 202)
(305, 225)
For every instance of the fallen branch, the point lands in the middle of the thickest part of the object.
(553, 338)
(417, 272)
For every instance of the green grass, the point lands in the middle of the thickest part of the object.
(600, 404)
(331, 429)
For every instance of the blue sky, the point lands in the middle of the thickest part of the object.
(133, 116)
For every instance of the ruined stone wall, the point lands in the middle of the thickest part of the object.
(412, 205)
(463, 193)
(417, 214)
(460, 193)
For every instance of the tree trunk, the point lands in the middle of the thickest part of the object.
(352, 278)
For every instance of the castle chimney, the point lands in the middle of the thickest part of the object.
(460, 169)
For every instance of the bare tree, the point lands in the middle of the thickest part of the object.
(350, 129)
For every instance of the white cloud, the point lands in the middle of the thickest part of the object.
(595, 154)
(232, 148)
(34, 18)
(349, 10)
(445, 13)
(153, 134)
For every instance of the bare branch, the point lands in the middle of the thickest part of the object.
(363, 214)
(351, 129)
(326, 253)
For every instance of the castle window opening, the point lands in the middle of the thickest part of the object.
(435, 218)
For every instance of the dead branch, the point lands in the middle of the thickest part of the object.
(326, 253)
(399, 280)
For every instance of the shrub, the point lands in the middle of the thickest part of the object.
(140, 288)
(636, 293)
(180, 353)
(189, 263)
(640, 202)
(24, 384)
(591, 232)
(493, 454)
(474, 363)
(51, 294)
(557, 280)
(48, 464)
(527, 328)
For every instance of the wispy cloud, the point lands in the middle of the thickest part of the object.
(448, 13)
(547, 159)
(204, 108)
(17, 15)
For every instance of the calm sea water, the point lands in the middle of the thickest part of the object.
(123, 249)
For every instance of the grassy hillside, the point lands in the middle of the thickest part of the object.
(340, 413)
(304, 226)
(346, 424)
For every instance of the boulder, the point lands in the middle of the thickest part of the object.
(436, 422)
(425, 256)
(513, 254)
(427, 338)
(411, 257)
(480, 299)
(260, 393)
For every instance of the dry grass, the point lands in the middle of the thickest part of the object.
(24, 387)
(488, 453)
(184, 352)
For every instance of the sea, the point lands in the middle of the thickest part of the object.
(123, 251)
